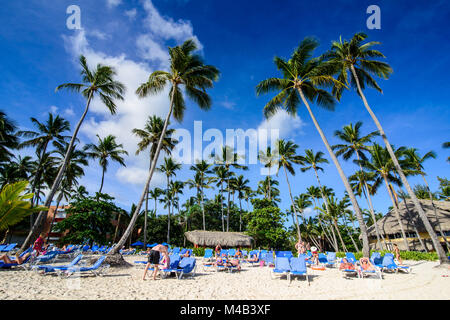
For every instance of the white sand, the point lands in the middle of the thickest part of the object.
(425, 282)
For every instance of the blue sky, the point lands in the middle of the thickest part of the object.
(38, 52)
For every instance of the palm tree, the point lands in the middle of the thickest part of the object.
(169, 168)
(202, 168)
(300, 203)
(446, 145)
(241, 185)
(222, 175)
(367, 183)
(332, 210)
(95, 82)
(106, 150)
(187, 71)
(413, 158)
(79, 192)
(74, 171)
(228, 159)
(51, 130)
(149, 138)
(8, 137)
(303, 77)
(287, 157)
(269, 159)
(381, 164)
(267, 186)
(356, 58)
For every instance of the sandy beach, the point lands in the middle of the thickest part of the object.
(424, 282)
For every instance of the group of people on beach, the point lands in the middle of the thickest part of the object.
(39, 248)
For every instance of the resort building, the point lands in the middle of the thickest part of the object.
(415, 231)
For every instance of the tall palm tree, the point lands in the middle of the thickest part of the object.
(358, 60)
(367, 183)
(333, 211)
(228, 159)
(98, 82)
(300, 203)
(149, 138)
(51, 130)
(187, 71)
(74, 171)
(202, 168)
(169, 168)
(241, 185)
(269, 159)
(416, 161)
(106, 150)
(303, 80)
(267, 186)
(287, 157)
(221, 175)
(446, 145)
(381, 164)
(8, 137)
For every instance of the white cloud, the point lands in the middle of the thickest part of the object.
(53, 109)
(150, 50)
(113, 3)
(228, 105)
(286, 125)
(69, 112)
(131, 14)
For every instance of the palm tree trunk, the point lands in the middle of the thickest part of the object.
(437, 245)
(340, 236)
(228, 204)
(145, 219)
(203, 205)
(325, 228)
(414, 226)
(152, 169)
(350, 232)
(117, 228)
(293, 203)
(435, 213)
(359, 216)
(58, 200)
(221, 205)
(39, 223)
(101, 185)
(240, 214)
(397, 214)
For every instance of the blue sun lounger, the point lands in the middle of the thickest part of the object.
(323, 259)
(351, 257)
(268, 259)
(98, 268)
(351, 272)
(173, 265)
(186, 266)
(389, 264)
(282, 267)
(208, 254)
(50, 268)
(9, 247)
(298, 268)
(331, 259)
(23, 265)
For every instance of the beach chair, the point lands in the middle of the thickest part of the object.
(94, 249)
(231, 252)
(323, 259)
(2, 246)
(24, 264)
(176, 250)
(367, 273)
(282, 267)
(252, 254)
(389, 265)
(208, 254)
(331, 259)
(49, 256)
(351, 257)
(9, 247)
(347, 272)
(298, 268)
(186, 266)
(49, 268)
(268, 259)
(85, 248)
(173, 265)
(98, 269)
(377, 260)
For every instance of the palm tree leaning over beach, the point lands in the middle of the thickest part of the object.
(105, 150)
(287, 156)
(98, 82)
(302, 81)
(187, 71)
(149, 138)
(356, 59)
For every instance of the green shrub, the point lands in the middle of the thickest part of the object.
(405, 255)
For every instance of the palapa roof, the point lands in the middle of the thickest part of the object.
(213, 238)
(389, 223)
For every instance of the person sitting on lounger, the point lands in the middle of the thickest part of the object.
(218, 250)
(366, 265)
(253, 258)
(346, 265)
(238, 253)
(187, 254)
(234, 263)
(19, 260)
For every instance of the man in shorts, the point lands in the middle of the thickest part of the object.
(154, 257)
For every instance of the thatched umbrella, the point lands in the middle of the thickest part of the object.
(213, 238)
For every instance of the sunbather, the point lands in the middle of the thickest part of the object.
(238, 253)
(19, 259)
(346, 265)
(253, 258)
(218, 250)
(234, 263)
(366, 265)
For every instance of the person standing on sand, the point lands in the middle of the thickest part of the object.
(153, 259)
(300, 246)
(397, 254)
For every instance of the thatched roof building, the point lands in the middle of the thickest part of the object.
(213, 238)
(388, 225)
(390, 228)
